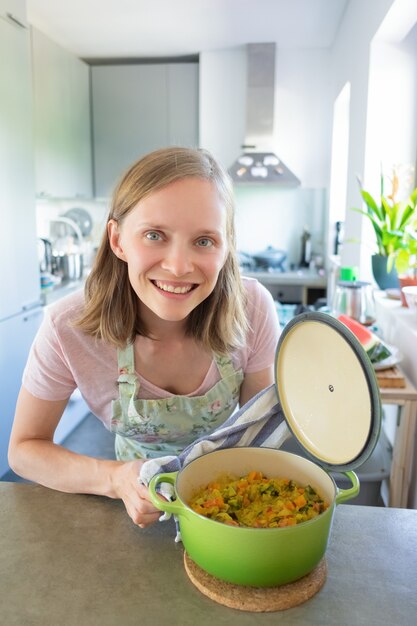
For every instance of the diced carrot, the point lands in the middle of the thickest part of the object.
(214, 502)
(300, 501)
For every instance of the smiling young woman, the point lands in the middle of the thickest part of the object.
(165, 341)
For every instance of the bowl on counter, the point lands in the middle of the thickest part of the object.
(410, 295)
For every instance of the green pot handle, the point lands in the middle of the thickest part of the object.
(346, 494)
(176, 507)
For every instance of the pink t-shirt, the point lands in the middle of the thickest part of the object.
(63, 358)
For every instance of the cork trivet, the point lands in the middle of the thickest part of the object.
(390, 378)
(257, 599)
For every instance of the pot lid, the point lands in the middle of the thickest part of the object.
(328, 391)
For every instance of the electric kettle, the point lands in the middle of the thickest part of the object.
(354, 298)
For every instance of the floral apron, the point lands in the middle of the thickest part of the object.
(154, 428)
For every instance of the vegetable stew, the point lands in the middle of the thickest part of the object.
(258, 502)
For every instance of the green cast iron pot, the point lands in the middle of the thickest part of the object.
(259, 557)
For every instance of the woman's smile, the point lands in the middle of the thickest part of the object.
(171, 288)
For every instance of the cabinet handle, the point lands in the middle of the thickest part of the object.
(30, 316)
(15, 21)
(31, 305)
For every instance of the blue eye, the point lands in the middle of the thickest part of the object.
(204, 242)
(153, 235)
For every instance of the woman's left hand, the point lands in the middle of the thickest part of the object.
(135, 496)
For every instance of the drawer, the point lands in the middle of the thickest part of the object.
(287, 294)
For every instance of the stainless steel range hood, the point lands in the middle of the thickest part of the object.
(258, 163)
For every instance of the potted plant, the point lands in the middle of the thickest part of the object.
(406, 262)
(394, 223)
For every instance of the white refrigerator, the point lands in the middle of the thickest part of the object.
(20, 303)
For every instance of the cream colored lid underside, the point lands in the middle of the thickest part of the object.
(324, 392)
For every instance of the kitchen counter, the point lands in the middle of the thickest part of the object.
(298, 286)
(78, 560)
(50, 296)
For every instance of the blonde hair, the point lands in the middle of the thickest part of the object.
(111, 311)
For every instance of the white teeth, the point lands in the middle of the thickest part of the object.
(172, 289)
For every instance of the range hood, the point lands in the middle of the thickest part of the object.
(258, 163)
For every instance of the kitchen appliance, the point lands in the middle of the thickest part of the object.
(259, 163)
(330, 398)
(355, 299)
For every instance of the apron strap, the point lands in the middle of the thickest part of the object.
(225, 365)
(127, 381)
(126, 360)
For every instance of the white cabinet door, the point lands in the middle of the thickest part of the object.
(183, 104)
(79, 129)
(129, 118)
(16, 336)
(62, 121)
(137, 109)
(20, 282)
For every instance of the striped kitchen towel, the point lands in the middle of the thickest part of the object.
(260, 422)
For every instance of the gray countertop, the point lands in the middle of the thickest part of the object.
(79, 560)
(306, 278)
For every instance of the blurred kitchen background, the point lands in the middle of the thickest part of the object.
(326, 90)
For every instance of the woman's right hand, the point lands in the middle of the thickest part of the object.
(135, 496)
(34, 455)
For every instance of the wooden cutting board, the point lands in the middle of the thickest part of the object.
(391, 377)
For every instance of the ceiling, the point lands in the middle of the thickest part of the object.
(159, 28)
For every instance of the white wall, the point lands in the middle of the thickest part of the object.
(222, 114)
(268, 215)
(277, 218)
(392, 108)
(353, 61)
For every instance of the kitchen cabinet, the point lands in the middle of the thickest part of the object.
(16, 336)
(61, 84)
(139, 108)
(20, 310)
(18, 252)
(296, 287)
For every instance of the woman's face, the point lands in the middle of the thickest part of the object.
(174, 244)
